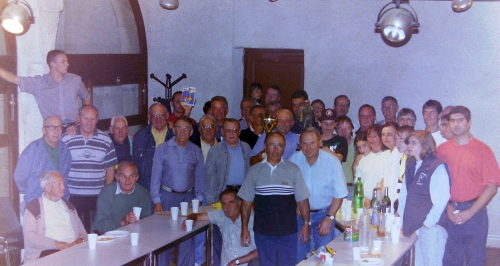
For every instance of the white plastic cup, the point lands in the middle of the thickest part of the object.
(137, 212)
(377, 244)
(196, 204)
(184, 208)
(356, 253)
(189, 225)
(134, 238)
(397, 220)
(175, 212)
(92, 240)
(347, 214)
(395, 233)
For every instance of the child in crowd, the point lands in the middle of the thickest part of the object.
(255, 92)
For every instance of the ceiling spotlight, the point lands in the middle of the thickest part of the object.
(169, 4)
(397, 23)
(17, 17)
(460, 5)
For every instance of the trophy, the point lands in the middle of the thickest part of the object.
(269, 123)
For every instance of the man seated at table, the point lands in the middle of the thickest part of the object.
(229, 221)
(51, 222)
(117, 200)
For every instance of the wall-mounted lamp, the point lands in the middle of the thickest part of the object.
(397, 23)
(17, 17)
(460, 5)
(169, 4)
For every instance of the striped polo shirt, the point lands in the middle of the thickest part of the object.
(275, 191)
(90, 158)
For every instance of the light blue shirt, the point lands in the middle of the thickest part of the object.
(237, 165)
(325, 178)
(439, 187)
(291, 140)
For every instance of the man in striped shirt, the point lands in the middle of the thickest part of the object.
(277, 188)
(93, 159)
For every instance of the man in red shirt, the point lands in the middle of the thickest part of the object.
(475, 178)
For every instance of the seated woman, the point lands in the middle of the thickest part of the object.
(51, 222)
(373, 167)
(423, 198)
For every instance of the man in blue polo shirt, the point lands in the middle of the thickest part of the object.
(324, 178)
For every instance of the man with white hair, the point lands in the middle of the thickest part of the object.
(118, 132)
(51, 222)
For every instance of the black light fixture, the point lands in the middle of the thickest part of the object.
(169, 4)
(17, 17)
(397, 23)
(461, 5)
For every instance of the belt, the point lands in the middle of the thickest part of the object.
(318, 210)
(235, 187)
(176, 192)
(455, 203)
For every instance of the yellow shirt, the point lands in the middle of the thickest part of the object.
(159, 136)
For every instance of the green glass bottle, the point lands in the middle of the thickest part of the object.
(358, 195)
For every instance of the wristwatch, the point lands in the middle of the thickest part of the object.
(237, 261)
(308, 222)
(332, 217)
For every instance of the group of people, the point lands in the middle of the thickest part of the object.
(78, 179)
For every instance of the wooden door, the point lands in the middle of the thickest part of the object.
(282, 67)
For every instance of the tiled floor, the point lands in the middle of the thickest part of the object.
(492, 256)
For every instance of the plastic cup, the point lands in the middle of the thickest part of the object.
(189, 225)
(92, 240)
(397, 220)
(395, 233)
(356, 253)
(196, 204)
(134, 238)
(137, 212)
(175, 212)
(377, 244)
(217, 205)
(184, 208)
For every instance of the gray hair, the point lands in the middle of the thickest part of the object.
(113, 119)
(46, 177)
(207, 117)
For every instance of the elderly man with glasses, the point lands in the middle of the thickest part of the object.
(46, 153)
(177, 176)
(389, 110)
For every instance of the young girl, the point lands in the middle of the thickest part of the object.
(424, 195)
(362, 147)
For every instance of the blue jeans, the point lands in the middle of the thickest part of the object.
(467, 241)
(316, 218)
(276, 250)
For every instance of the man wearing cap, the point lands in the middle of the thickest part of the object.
(332, 143)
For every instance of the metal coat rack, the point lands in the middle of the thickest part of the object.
(168, 89)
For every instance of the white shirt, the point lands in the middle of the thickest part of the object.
(57, 221)
(371, 169)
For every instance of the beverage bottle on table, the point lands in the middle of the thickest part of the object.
(359, 196)
(322, 260)
(378, 187)
(381, 222)
(387, 200)
(364, 231)
(375, 210)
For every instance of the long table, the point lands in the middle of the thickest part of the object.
(156, 232)
(391, 253)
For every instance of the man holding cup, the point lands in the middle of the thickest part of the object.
(123, 201)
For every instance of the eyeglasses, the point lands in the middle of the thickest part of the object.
(274, 146)
(389, 106)
(207, 127)
(182, 129)
(409, 118)
(53, 128)
(342, 105)
(231, 130)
